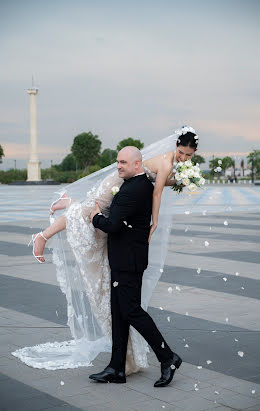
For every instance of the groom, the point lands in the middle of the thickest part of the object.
(128, 227)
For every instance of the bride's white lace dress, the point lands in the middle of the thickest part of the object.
(80, 256)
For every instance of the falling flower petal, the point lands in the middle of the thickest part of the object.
(199, 270)
(62, 383)
(227, 319)
(206, 243)
(187, 212)
(115, 284)
(225, 279)
(162, 345)
(170, 290)
(168, 319)
(178, 288)
(209, 362)
(225, 222)
(130, 226)
(125, 222)
(241, 354)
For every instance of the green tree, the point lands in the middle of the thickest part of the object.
(107, 157)
(198, 159)
(129, 142)
(68, 163)
(223, 163)
(253, 159)
(86, 149)
(1, 153)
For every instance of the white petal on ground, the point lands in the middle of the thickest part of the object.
(227, 319)
(225, 222)
(214, 331)
(237, 274)
(115, 284)
(178, 288)
(210, 228)
(241, 354)
(170, 290)
(236, 339)
(187, 212)
(199, 367)
(161, 308)
(206, 243)
(62, 383)
(161, 270)
(186, 313)
(242, 288)
(253, 391)
(198, 270)
(57, 313)
(209, 362)
(225, 279)
(204, 212)
(130, 226)
(168, 319)
(162, 345)
(125, 222)
(186, 346)
(191, 240)
(216, 392)
(196, 389)
(186, 229)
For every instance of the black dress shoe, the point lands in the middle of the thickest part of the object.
(168, 369)
(109, 375)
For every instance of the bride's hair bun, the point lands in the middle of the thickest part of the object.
(187, 137)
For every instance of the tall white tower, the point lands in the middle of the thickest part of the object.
(34, 165)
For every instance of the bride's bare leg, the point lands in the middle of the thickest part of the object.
(54, 228)
(63, 202)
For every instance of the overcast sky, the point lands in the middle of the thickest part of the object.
(130, 69)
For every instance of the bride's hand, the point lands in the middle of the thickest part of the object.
(152, 230)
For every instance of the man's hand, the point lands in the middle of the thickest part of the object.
(95, 211)
(152, 230)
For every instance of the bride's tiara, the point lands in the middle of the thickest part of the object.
(185, 130)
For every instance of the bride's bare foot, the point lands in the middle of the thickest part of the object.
(60, 204)
(39, 245)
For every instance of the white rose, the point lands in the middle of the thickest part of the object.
(184, 174)
(196, 174)
(192, 187)
(180, 163)
(177, 176)
(202, 181)
(188, 163)
(186, 181)
(114, 190)
(219, 162)
(190, 172)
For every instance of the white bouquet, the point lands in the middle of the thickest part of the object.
(188, 175)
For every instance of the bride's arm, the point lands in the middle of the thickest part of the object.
(161, 178)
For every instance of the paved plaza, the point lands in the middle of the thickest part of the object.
(206, 304)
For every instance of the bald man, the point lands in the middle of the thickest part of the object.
(128, 227)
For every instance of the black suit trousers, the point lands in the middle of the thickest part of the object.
(126, 310)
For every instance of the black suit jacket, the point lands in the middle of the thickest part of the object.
(128, 225)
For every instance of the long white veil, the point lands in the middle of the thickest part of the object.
(80, 256)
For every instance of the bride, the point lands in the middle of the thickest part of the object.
(80, 256)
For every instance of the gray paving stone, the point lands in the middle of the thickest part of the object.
(196, 403)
